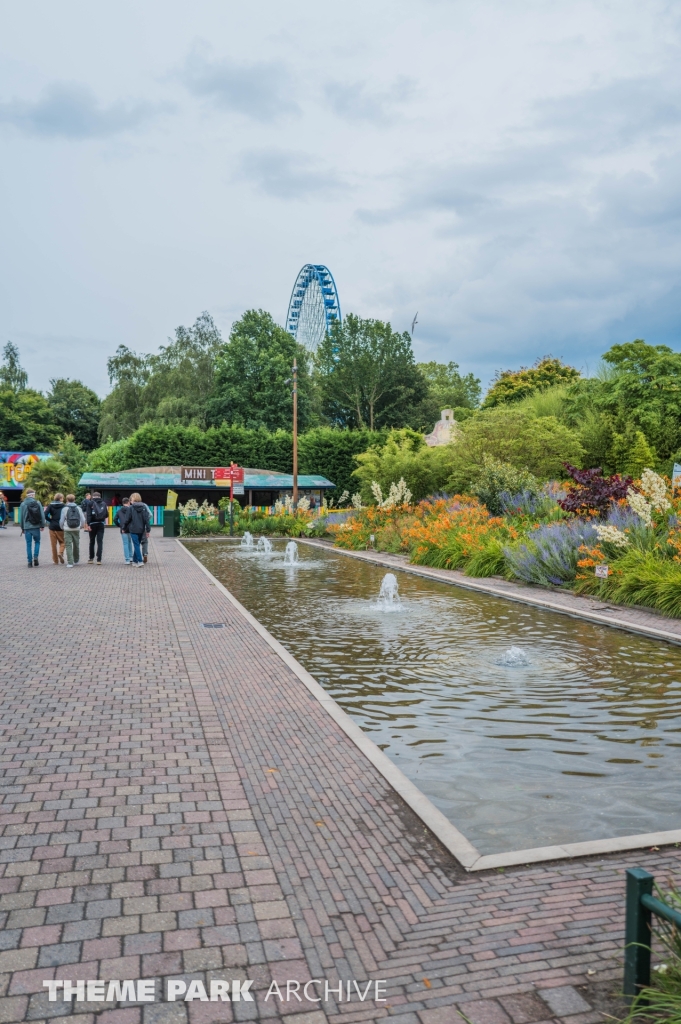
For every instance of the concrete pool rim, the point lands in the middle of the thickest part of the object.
(448, 835)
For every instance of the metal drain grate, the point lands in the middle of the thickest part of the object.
(213, 625)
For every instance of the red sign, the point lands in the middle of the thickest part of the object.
(230, 474)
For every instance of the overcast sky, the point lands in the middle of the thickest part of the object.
(509, 168)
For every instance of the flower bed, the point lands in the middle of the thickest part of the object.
(561, 535)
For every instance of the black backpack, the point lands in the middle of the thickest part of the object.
(72, 518)
(34, 513)
(98, 510)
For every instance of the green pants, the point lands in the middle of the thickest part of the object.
(72, 542)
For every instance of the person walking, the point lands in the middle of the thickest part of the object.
(32, 521)
(72, 521)
(138, 526)
(52, 517)
(122, 521)
(146, 534)
(96, 514)
(4, 511)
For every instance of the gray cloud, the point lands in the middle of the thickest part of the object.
(355, 101)
(260, 90)
(71, 111)
(612, 116)
(286, 174)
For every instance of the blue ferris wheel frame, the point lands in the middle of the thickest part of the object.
(308, 275)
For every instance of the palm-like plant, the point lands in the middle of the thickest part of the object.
(46, 477)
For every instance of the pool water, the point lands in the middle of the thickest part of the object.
(525, 728)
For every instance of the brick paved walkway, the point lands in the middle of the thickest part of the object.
(176, 804)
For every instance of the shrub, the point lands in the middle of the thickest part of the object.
(324, 451)
(192, 526)
(515, 385)
(497, 478)
(538, 444)
(403, 456)
(594, 493)
(550, 554)
(48, 476)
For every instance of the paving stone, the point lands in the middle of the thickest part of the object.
(141, 831)
(564, 1001)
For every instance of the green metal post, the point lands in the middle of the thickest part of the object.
(637, 933)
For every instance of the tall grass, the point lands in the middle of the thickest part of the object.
(661, 1002)
(649, 581)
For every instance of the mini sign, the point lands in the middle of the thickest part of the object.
(238, 488)
(602, 571)
(201, 473)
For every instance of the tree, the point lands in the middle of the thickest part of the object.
(367, 374)
(12, 374)
(47, 477)
(181, 375)
(70, 453)
(540, 444)
(447, 389)
(76, 409)
(644, 391)
(253, 376)
(405, 455)
(631, 453)
(513, 385)
(121, 412)
(26, 422)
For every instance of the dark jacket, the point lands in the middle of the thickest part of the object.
(140, 520)
(52, 514)
(88, 508)
(122, 518)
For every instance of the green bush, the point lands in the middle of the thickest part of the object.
(322, 451)
(192, 526)
(404, 454)
(496, 477)
(47, 477)
(540, 444)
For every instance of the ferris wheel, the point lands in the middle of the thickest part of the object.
(314, 305)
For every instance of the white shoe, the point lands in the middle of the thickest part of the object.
(69, 565)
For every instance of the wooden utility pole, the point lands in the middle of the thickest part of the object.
(295, 433)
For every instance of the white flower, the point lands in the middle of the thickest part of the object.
(655, 489)
(356, 501)
(303, 504)
(343, 498)
(640, 506)
(399, 494)
(611, 535)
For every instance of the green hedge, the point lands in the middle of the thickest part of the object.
(322, 451)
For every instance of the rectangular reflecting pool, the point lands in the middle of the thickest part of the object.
(524, 727)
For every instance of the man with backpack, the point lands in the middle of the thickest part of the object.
(32, 521)
(96, 514)
(52, 516)
(71, 521)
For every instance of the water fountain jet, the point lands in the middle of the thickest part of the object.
(388, 597)
(264, 546)
(247, 541)
(514, 657)
(291, 555)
